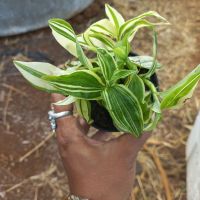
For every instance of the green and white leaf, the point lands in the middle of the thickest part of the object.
(121, 74)
(115, 17)
(175, 96)
(134, 24)
(83, 84)
(144, 61)
(34, 71)
(136, 86)
(82, 57)
(103, 26)
(152, 70)
(68, 100)
(124, 109)
(100, 40)
(83, 108)
(64, 34)
(153, 123)
(107, 64)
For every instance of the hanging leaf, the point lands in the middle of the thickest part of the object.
(176, 95)
(124, 109)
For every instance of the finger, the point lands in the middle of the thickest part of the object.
(68, 127)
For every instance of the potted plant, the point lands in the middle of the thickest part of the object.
(114, 89)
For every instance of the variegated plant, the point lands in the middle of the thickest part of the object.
(114, 79)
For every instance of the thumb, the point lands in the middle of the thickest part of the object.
(68, 127)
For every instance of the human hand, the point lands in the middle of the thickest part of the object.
(96, 169)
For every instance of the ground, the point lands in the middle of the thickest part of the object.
(23, 110)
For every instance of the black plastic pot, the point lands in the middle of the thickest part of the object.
(102, 118)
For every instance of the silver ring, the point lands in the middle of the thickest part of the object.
(53, 116)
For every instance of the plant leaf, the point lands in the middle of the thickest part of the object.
(134, 24)
(33, 71)
(83, 108)
(64, 34)
(82, 57)
(183, 90)
(124, 109)
(103, 26)
(68, 100)
(106, 41)
(83, 84)
(121, 73)
(144, 61)
(154, 63)
(136, 86)
(106, 63)
(114, 16)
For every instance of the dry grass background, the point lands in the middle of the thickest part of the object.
(162, 160)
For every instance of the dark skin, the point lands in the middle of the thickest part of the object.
(97, 169)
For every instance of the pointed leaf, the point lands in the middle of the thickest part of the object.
(138, 22)
(114, 16)
(64, 34)
(33, 71)
(179, 93)
(124, 109)
(82, 84)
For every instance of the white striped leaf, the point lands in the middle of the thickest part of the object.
(121, 74)
(136, 85)
(82, 84)
(106, 63)
(103, 26)
(83, 108)
(152, 70)
(68, 100)
(82, 57)
(106, 41)
(64, 34)
(34, 71)
(176, 95)
(133, 23)
(144, 61)
(124, 109)
(115, 17)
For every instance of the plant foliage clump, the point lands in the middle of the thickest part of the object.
(116, 80)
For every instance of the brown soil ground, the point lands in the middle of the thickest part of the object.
(23, 110)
